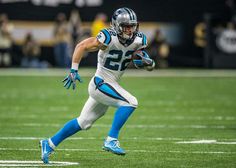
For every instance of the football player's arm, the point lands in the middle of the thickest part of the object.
(87, 45)
(146, 61)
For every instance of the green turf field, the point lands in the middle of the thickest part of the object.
(180, 122)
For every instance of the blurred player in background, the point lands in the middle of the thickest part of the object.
(62, 41)
(31, 50)
(98, 24)
(116, 46)
(75, 26)
(6, 41)
(159, 49)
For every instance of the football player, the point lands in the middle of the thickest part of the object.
(116, 46)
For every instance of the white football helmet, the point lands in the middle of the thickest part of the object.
(122, 18)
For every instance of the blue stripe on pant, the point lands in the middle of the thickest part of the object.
(107, 89)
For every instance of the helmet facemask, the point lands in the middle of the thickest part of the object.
(127, 31)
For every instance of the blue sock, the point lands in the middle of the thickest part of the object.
(121, 116)
(69, 129)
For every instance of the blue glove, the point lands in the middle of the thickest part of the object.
(144, 60)
(71, 79)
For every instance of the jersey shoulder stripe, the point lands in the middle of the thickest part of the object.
(144, 40)
(141, 40)
(107, 36)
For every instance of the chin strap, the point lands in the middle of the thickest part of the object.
(127, 37)
(126, 41)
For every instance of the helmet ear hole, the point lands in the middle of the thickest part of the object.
(120, 28)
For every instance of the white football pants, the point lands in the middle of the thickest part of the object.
(103, 94)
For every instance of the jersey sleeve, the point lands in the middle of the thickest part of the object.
(104, 37)
(142, 41)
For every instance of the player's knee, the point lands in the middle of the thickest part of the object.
(87, 126)
(133, 102)
(84, 124)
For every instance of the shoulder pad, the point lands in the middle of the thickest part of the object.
(104, 37)
(143, 40)
(112, 31)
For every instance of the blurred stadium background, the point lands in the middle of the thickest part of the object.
(187, 112)
(199, 34)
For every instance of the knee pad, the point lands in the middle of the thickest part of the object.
(133, 102)
(84, 124)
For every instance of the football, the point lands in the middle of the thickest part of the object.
(142, 61)
(137, 60)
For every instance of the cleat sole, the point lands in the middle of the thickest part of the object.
(109, 150)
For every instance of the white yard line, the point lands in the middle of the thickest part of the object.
(132, 151)
(136, 126)
(206, 142)
(129, 73)
(185, 118)
(27, 163)
(220, 141)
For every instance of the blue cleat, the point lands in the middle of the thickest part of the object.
(113, 146)
(46, 150)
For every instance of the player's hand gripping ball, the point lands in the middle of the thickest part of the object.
(142, 60)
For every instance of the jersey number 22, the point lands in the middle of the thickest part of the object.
(114, 63)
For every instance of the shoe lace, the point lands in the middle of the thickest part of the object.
(117, 143)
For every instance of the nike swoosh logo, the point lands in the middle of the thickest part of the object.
(44, 150)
